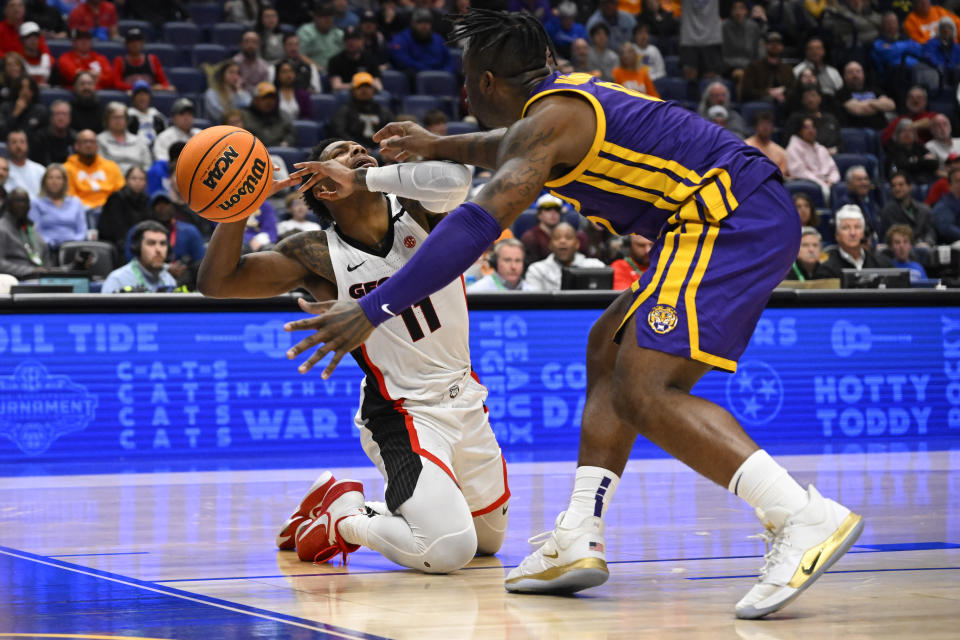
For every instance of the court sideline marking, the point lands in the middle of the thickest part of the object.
(201, 599)
(860, 549)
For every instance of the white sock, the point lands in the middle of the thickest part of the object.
(353, 529)
(592, 490)
(767, 486)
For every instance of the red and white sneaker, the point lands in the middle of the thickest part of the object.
(286, 539)
(319, 540)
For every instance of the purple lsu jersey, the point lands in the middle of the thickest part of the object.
(724, 229)
(649, 157)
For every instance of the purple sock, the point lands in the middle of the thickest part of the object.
(454, 244)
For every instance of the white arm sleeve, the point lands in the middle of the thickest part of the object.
(438, 186)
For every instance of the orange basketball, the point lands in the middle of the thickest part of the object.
(224, 173)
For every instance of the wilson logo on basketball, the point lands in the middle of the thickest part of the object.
(220, 166)
(249, 185)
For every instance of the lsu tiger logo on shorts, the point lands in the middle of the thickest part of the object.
(662, 318)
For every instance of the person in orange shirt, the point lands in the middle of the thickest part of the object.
(91, 177)
(631, 74)
(628, 270)
(921, 24)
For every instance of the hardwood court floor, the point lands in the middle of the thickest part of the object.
(679, 550)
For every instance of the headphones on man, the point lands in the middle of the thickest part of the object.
(506, 242)
(136, 240)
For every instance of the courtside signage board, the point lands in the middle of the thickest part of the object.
(218, 386)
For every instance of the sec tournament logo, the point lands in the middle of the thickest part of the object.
(754, 393)
(662, 318)
(36, 408)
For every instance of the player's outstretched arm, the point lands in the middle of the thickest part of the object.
(438, 186)
(401, 141)
(532, 150)
(226, 273)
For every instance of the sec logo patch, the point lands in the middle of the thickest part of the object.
(662, 318)
(409, 242)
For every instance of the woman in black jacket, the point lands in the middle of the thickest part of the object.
(124, 209)
(23, 111)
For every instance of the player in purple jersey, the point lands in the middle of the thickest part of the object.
(726, 233)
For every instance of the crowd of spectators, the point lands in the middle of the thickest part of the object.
(854, 100)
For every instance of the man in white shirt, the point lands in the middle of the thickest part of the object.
(508, 268)
(546, 274)
(24, 172)
(943, 144)
(182, 129)
(827, 75)
(649, 54)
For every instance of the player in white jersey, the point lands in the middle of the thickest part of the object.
(422, 418)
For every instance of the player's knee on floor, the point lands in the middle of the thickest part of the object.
(450, 552)
(491, 529)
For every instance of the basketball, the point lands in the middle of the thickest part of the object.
(224, 173)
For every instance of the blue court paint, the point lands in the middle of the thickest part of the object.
(44, 595)
(88, 555)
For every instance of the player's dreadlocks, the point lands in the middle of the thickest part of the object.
(507, 44)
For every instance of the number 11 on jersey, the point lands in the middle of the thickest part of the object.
(413, 324)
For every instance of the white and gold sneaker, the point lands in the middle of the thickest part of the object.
(568, 560)
(809, 542)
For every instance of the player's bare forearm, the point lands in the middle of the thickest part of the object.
(478, 149)
(226, 273)
(512, 189)
(531, 151)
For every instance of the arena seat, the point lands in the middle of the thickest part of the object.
(749, 111)
(163, 100)
(112, 95)
(440, 84)
(419, 105)
(385, 100)
(109, 50)
(290, 155)
(227, 34)
(187, 79)
(205, 14)
(181, 34)
(59, 46)
(858, 140)
(671, 88)
(671, 64)
(125, 25)
(395, 82)
(49, 94)
(846, 160)
(526, 220)
(808, 187)
(168, 54)
(206, 53)
(323, 106)
(308, 132)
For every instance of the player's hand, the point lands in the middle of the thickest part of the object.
(280, 185)
(401, 141)
(344, 178)
(339, 326)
